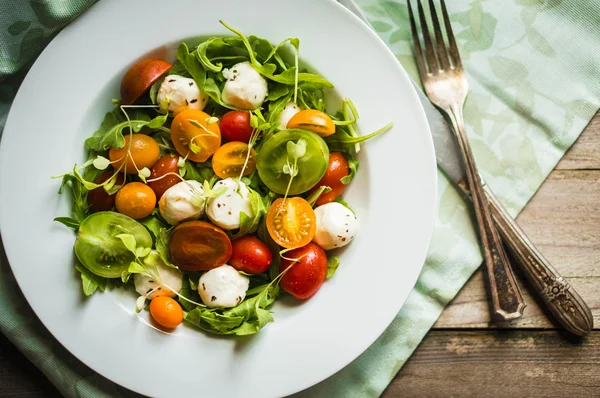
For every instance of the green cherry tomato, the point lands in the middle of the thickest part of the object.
(274, 155)
(98, 248)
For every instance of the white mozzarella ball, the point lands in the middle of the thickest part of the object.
(177, 203)
(223, 287)
(181, 93)
(224, 210)
(336, 226)
(245, 88)
(169, 280)
(286, 114)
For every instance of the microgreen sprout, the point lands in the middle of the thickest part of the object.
(348, 109)
(312, 199)
(294, 152)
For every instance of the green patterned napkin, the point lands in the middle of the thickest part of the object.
(532, 68)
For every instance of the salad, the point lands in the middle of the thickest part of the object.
(214, 185)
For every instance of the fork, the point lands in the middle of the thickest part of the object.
(445, 83)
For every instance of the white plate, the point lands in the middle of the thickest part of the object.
(63, 100)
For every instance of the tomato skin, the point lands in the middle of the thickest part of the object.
(183, 132)
(166, 312)
(140, 77)
(235, 126)
(166, 164)
(98, 199)
(135, 200)
(143, 149)
(199, 246)
(336, 170)
(291, 222)
(312, 120)
(229, 159)
(250, 255)
(307, 275)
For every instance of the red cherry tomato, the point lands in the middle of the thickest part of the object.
(308, 274)
(336, 170)
(235, 126)
(166, 164)
(250, 255)
(98, 199)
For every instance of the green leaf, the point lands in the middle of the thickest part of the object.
(89, 281)
(191, 64)
(78, 197)
(136, 268)
(203, 58)
(508, 70)
(341, 201)
(153, 224)
(528, 15)
(313, 197)
(129, 241)
(199, 172)
(402, 34)
(476, 18)
(162, 245)
(333, 262)
(249, 224)
(539, 42)
(69, 222)
(277, 91)
(142, 251)
(352, 166)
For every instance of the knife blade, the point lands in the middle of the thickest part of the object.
(567, 306)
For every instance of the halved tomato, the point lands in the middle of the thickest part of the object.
(199, 246)
(140, 77)
(194, 136)
(291, 222)
(229, 159)
(312, 120)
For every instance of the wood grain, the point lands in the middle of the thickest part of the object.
(500, 364)
(585, 153)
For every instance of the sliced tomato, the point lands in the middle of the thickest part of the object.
(336, 170)
(291, 222)
(229, 160)
(199, 246)
(194, 136)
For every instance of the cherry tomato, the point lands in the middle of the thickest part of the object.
(135, 200)
(140, 77)
(307, 274)
(166, 312)
(336, 170)
(144, 152)
(250, 255)
(291, 222)
(235, 126)
(312, 120)
(273, 156)
(166, 164)
(199, 246)
(197, 143)
(98, 199)
(229, 159)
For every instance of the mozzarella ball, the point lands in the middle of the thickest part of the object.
(245, 88)
(336, 226)
(170, 279)
(286, 114)
(176, 203)
(224, 210)
(181, 93)
(223, 287)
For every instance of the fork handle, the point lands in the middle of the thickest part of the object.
(563, 301)
(507, 300)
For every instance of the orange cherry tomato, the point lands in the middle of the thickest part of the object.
(312, 120)
(166, 311)
(135, 200)
(99, 199)
(197, 143)
(229, 159)
(291, 222)
(199, 246)
(336, 170)
(144, 152)
(140, 77)
(166, 164)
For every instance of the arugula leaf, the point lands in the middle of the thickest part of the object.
(333, 262)
(128, 241)
(199, 172)
(191, 64)
(202, 49)
(78, 197)
(110, 133)
(189, 290)
(162, 245)
(353, 166)
(89, 281)
(341, 201)
(68, 222)
(277, 91)
(153, 224)
(249, 224)
(264, 236)
(211, 321)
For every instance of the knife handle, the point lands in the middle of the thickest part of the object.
(507, 300)
(560, 297)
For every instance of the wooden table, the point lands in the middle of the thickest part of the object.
(465, 354)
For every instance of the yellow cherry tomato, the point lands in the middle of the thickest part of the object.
(312, 120)
(291, 222)
(143, 151)
(166, 311)
(193, 135)
(135, 200)
(229, 159)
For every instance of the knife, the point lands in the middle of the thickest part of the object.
(562, 300)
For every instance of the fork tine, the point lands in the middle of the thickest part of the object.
(454, 54)
(429, 50)
(442, 53)
(416, 44)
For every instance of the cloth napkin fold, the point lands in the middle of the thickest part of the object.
(532, 67)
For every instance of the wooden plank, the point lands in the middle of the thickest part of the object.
(500, 364)
(585, 153)
(563, 220)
